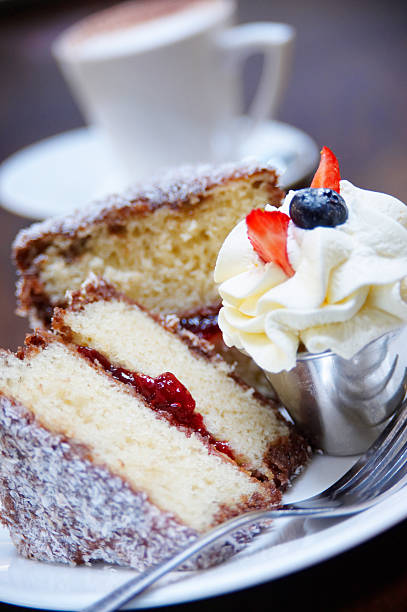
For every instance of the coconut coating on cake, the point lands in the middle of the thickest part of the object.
(232, 411)
(59, 506)
(157, 243)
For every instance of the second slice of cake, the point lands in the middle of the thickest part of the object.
(157, 242)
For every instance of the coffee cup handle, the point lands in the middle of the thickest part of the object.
(275, 42)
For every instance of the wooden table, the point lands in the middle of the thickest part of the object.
(349, 92)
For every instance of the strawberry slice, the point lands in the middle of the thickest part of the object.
(327, 175)
(267, 232)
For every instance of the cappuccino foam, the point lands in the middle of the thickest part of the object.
(133, 26)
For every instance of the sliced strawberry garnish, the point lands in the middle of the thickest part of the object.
(267, 232)
(327, 175)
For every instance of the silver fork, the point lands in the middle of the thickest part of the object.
(375, 476)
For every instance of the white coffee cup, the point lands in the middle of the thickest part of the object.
(161, 78)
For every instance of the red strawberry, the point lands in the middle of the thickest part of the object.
(327, 175)
(267, 232)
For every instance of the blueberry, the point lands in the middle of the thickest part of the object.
(312, 207)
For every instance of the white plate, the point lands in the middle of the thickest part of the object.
(291, 545)
(66, 171)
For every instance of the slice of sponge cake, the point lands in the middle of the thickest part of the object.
(122, 438)
(91, 472)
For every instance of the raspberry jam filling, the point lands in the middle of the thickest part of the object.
(165, 394)
(203, 323)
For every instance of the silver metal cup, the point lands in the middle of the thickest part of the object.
(341, 405)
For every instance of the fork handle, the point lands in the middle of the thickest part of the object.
(118, 597)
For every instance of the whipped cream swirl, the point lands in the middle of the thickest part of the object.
(349, 286)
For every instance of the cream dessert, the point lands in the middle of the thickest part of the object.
(326, 271)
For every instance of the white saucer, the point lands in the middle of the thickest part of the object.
(66, 171)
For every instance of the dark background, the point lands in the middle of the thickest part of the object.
(348, 92)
